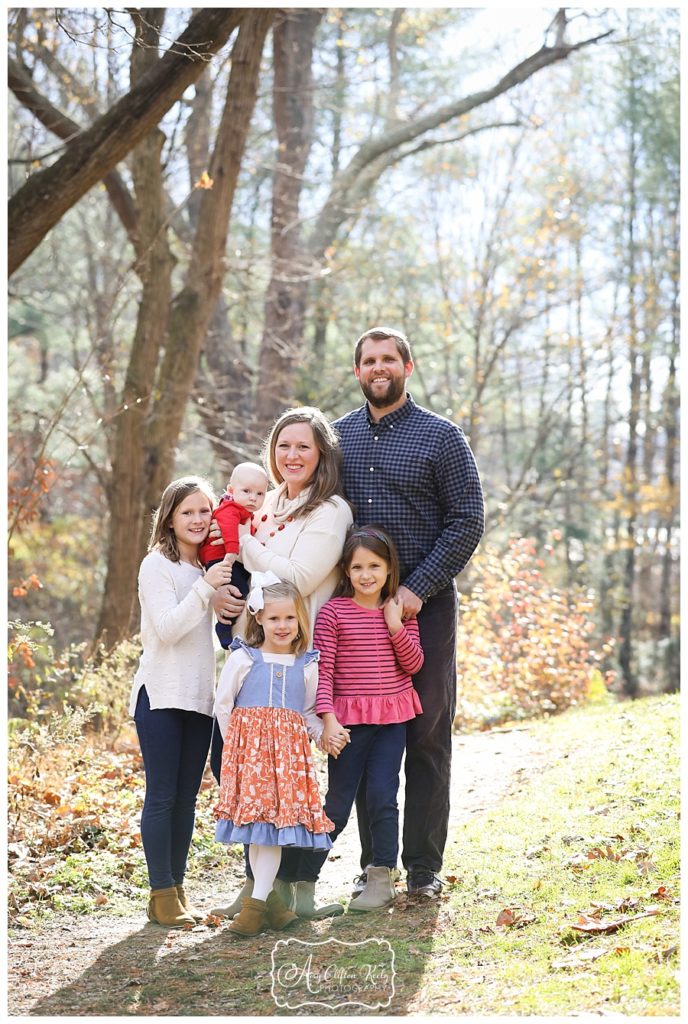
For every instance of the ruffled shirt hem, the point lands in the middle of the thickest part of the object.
(375, 709)
(265, 834)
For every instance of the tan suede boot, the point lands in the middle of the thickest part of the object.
(164, 908)
(232, 909)
(251, 919)
(197, 915)
(379, 890)
(279, 916)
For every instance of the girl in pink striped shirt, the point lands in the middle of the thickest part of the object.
(365, 691)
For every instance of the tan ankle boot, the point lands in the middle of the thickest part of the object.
(197, 915)
(251, 919)
(164, 908)
(279, 916)
(232, 909)
(379, 890)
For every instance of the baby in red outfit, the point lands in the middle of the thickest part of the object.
(244, 495)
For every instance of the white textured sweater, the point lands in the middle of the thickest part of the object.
(305, 550)
(177, 666)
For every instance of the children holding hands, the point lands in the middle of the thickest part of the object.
(353, 695)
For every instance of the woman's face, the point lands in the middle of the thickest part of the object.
(296, 456)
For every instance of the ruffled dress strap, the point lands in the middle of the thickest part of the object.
(239, 644)
(311, 656)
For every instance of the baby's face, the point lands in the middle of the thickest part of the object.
(248, 488)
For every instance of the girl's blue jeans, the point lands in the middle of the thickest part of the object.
(376, 752)
(174, 745)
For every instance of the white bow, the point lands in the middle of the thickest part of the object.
(255, 601)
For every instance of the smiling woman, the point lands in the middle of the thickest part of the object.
(299, 532)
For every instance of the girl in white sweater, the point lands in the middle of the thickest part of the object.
(173, 692)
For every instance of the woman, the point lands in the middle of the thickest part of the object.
(299, 535)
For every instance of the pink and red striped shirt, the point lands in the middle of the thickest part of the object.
(364, 674)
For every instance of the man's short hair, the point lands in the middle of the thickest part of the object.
(379, 334)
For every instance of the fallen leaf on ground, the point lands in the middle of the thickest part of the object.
(514, 918)
(590, 925)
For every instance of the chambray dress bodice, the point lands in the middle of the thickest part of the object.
(269, 793)
(269, 685)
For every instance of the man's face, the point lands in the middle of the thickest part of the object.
(382, 372)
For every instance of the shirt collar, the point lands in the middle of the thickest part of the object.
(392, 417)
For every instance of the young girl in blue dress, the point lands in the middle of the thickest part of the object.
(269, 796)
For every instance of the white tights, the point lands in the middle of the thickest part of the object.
(265, 862)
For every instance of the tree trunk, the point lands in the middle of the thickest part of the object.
(193, 308)
(629, 483)
(44, 199)
(670, 409)
(128, 530)
(287, 292)
(152, 415)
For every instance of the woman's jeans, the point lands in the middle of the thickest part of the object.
(174, 745)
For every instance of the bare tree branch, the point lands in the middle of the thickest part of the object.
(55, 121)
(341, 201)
(48, 194)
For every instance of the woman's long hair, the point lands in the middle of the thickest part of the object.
(327, 478)
(162, 536)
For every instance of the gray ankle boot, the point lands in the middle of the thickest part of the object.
(233, 909)
(379, 890)
(285, 891)
(304, 903)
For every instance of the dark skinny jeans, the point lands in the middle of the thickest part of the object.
(376, 752)
(428, 744)
(174, 745)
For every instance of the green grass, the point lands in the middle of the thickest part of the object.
(615, 784)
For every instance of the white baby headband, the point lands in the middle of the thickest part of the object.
(255, 601)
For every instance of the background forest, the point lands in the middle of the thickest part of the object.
(503, 189)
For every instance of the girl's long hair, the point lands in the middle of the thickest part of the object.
(254, 634)
(327, 478)
(162, 536)
(372, 538)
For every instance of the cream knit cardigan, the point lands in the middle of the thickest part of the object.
(303, 549)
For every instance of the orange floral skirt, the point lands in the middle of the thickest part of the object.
(268, 779)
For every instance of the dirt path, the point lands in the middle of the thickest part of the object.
(102, 965)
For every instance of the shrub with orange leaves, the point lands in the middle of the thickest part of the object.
(525, 648)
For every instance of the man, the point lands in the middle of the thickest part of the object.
(413, 473)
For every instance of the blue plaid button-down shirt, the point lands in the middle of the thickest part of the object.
(414, 474)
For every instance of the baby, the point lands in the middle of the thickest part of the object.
(245, 494)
